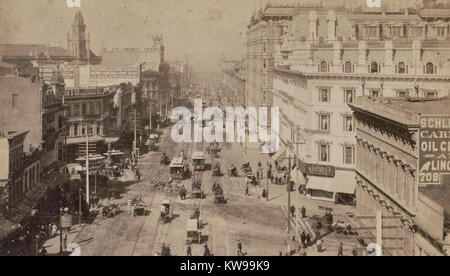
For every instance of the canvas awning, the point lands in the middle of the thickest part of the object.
(344, 182)
(298, 177)
(280, 155)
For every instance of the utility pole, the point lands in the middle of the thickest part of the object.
(289, 208)
(87, 164)
(135, 132)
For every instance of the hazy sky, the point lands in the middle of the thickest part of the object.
(202, 29)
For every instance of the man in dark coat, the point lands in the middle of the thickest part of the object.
(207, 252)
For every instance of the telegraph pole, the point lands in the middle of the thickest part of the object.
(289, 209)
(87, 164)
(135, 132)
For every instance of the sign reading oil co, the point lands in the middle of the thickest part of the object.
(434, 149)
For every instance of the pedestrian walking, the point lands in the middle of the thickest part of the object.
(239, 249)
(207, 252)
(341, 250)
(319, 246)
(246, 190)
(303, 239)
(308, 239)
(188, 250)
(43, 252)
(303, 212)
(138, 175)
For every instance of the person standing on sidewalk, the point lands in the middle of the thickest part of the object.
(189, 250)
(341, 250)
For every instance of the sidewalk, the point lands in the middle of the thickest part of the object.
(52, 245)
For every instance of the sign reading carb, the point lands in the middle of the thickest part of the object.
(434, 149)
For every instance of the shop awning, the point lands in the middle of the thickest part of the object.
(280, 155)
(7, 227)
(344, 183)
(80, 140)
(297, 177)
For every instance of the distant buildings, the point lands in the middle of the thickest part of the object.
(415, 218)
(234, 77)
(132, 57)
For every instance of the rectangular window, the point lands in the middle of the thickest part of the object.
(324, 153)
(76, 110)
(75, 129)
(98, 130)
(349, 155)
(14, 100)
(396, 31)
(431, 95)
(324, 95)
(374, 93)
(83, 131)
(441, 32)
(348, 123)
(349, 96)
(402, 93)
(324, 122)
(372, 32)
(83, 109)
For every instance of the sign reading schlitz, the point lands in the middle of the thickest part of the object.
(434, 149)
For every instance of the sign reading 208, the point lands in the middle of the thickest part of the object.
(434, 149)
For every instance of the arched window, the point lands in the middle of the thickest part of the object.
(429, 68)
(401, 68)
(348, 67)
(374, 67)
(324, 67)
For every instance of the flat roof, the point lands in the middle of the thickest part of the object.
(403, 110)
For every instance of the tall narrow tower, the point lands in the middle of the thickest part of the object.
(77, 38)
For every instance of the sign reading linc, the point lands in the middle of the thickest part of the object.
(434, 149)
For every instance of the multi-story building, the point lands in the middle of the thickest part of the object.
(328, 57)
(90, 112)
(32, 107)
(414, 217)
(263, 34)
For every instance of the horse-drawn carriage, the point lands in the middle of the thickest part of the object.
(166, 212)
(219, 197)
(110, 211)
(164, 159)
(138, 208)
(214, 149)
(246, 168)
(197, 191)
(233, 171)
(217, 170)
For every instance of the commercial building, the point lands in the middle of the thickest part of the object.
(32, 119)
(414, 217)
(326, 58)
(90, 112)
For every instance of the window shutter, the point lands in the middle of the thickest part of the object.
(343, 69)
(368, 68)
(396, 69)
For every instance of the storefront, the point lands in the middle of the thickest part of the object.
(338, 189)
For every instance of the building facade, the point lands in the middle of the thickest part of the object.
(414, 217)
(326, 58)
(90, 112)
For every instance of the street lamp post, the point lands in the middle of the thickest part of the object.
(79, 206)
(60, 230)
